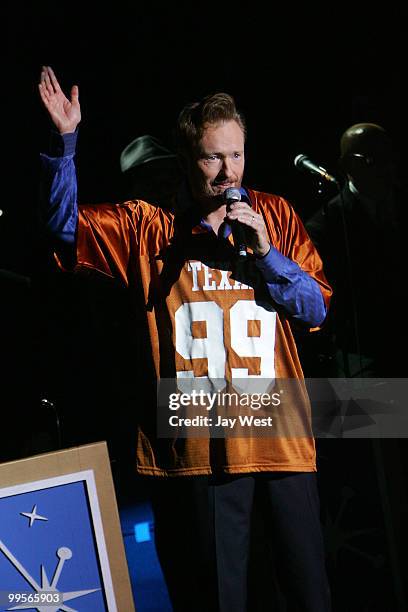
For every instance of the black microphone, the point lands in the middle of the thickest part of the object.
(302, 162)
(232, 195)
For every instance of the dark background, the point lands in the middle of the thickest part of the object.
(302, 74)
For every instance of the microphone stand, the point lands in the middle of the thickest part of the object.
(350, 283)
(375, 442)
(349, 276)
(46, 403)
(376, 445)
(349, 272)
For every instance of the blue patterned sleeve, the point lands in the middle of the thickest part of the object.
(292, 288)
(59, 209)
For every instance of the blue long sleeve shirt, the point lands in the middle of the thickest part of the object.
(288, 285)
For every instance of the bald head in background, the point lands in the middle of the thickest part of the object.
(366, 157)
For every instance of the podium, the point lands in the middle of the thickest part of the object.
(61, 546)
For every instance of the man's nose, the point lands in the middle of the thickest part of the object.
(227, 169)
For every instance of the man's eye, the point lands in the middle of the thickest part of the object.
(237, 155)
(212, 157)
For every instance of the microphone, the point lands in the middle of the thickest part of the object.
(302, 162)
(231, 195)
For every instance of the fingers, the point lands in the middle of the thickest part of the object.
(45, 96)
(45, 80)
(49, 85)
(46, 88)
(249, 220)
(53, 79)
(74, 94)
(244, 214)
(257, 236)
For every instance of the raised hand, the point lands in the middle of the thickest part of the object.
(66, 114)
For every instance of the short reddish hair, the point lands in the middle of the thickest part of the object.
(215, 108)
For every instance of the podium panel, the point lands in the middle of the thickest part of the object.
(61, 546)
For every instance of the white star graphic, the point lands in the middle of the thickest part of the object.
(33, 516)
(64, 554)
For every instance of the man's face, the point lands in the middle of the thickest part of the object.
(373, 176)
(219, 162)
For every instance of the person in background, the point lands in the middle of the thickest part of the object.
(357, 234)
(360, 235)
(150, 171)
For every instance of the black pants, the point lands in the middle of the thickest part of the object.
(202, 531)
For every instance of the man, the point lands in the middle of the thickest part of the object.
(151, 172)
(360, 234)
(357, 235)
(209, 315)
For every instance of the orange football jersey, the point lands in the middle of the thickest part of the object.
(205, 317)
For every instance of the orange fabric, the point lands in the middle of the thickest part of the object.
(187, 292)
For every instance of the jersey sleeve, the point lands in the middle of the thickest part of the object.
(304, 253)
(109, 235)
(289, 236)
